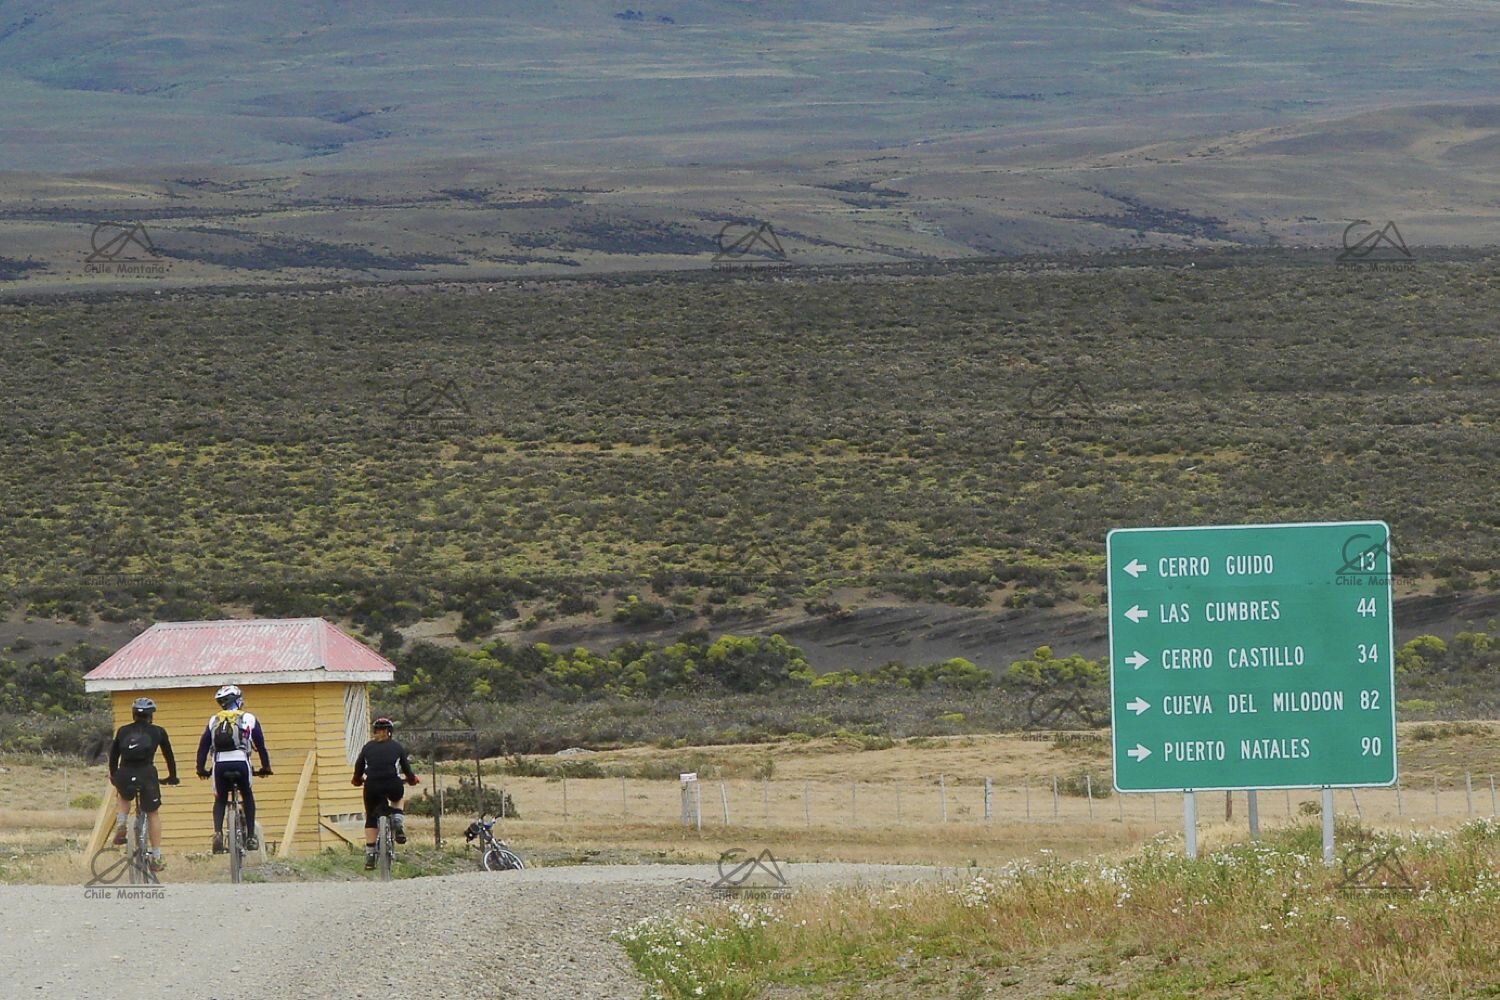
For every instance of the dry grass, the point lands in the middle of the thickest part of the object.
(814, 809)
(1250, 921)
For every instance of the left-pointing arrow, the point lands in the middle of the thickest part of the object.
(1139, 752)
(1138, 706)
(1135, 568)
(1136, 613)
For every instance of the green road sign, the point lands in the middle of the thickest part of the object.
(1252, 656)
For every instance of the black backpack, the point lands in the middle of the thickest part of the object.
(138, 747)
(228, 731)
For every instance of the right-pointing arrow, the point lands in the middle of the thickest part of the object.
(1136, 613)
(1138, 706)
(1137, 659)
(1139, 752)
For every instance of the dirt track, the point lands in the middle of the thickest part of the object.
(542, 933)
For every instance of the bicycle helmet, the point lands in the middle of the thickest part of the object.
(142, 708)
(229, 697)
(383, 723)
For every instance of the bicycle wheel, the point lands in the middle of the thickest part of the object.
(236, 837)
(385, 848)
(140, 856)
(500, 859)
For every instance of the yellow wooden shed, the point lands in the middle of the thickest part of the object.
(307, 683)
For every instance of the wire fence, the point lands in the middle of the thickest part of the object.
(780, 803)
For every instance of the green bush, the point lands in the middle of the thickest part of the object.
(463, 801)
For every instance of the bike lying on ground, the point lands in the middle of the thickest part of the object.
(494, 854)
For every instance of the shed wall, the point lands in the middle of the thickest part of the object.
(296, 719)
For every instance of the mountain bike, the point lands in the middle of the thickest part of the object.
(234, 817)
(494, 854)
(385, 841)
(138, 848)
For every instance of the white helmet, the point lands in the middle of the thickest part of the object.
(229, 697)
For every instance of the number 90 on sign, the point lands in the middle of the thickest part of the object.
(1369, 746)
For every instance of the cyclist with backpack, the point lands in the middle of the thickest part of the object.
(380, 767)
(231, 734)
(132, 770)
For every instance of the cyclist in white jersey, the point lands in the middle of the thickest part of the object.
(230, 736)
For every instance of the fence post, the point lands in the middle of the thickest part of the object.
(1088, 789)
(1469, 792)
(1054, 797)
(853, 803)
(692, 807)
(1288, 803)
(1492, 795)
(724, 801)
(1437, 807)
(437, 805)
(1028, 797)
(1357, 810)
(1398, 796)
(806, 805)
(565, 797)
(989, 800)
(1154, 818)
(765, 801)
(624, 801)
(898, 803)
(943, 794)
(1120, 803)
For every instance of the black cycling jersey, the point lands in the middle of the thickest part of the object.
(135, 747)
(383, 762)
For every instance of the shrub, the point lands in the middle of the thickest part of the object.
(462, 800)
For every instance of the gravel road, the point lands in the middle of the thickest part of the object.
(541, 933)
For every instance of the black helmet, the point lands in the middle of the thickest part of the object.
(383, 723)
(142, 708)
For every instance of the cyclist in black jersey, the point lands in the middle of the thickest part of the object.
(381, 767)
(132, 770)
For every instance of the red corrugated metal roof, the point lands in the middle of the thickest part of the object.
(188, 654)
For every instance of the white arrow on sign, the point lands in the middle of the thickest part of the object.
(1135, 613)
(1139, 752)
(1135, 567)
(1137, 659)
(1138, 706)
